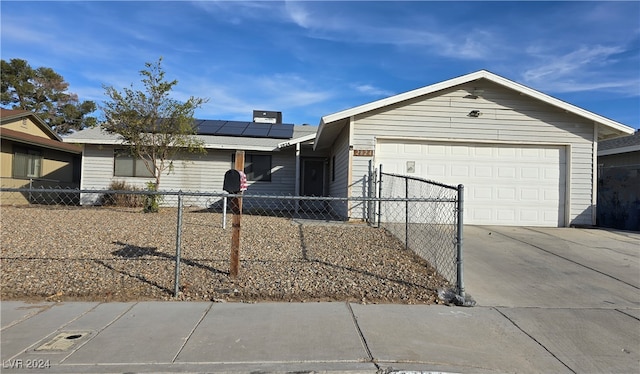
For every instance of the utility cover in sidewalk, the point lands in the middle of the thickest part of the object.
(63, 341)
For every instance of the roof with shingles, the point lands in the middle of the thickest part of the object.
(97, 135)
(620, 145)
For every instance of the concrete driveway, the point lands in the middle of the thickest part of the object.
(576, 292)
(552, 267)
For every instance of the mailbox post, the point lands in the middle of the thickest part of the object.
(235, 182)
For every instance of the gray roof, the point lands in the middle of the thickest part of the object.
(620, 145)
(97, 135)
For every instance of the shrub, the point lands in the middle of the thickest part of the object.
(152, 202)
(120, 199)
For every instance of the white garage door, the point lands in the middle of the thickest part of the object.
(505, 184)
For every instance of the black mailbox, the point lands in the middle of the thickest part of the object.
(234, 181)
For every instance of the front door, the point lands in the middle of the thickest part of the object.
(313, 172)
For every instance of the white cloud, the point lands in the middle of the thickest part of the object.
(570, 63)
(234, 97)
(370, 90)
(298, 14)
(583, 69)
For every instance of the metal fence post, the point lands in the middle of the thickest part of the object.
(379, 197)
(460, 280)
(370, 193)
(224, 212)
(178, 240)
(406, 213)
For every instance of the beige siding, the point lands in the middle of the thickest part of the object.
(26, 125)
(507, 117)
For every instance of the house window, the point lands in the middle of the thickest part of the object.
(27, 163)
(125, 165)
(256, 167)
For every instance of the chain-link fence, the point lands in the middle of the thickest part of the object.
(423, 216)
(427, 217)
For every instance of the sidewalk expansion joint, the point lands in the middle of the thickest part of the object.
(363, 340)
(186, 340)
(535, 340)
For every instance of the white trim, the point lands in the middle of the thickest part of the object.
(205, 145)
(296, 141)
(594, 176)
(298, 173)
(567, 188)
(350, 161)
(464, 140)
(240, 147)
(466, 79)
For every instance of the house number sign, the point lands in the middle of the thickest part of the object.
(363, 152)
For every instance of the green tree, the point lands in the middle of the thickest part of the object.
(44, 92)
(153, 126)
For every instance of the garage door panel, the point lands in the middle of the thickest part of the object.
(529, 215)
(530, 173)
(530, 194)
(436, 170)
(504, 184)
(506, 172)
(459, 171)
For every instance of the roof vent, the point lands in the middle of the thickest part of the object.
(266, 116)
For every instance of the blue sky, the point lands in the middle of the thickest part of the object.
(309, 59)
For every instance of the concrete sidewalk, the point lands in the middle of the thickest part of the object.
(549, 300)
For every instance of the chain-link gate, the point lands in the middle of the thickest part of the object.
(427, 217)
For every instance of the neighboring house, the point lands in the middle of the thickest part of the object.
(619, 183)
(279, 160)
(525, 158)
(34, 156)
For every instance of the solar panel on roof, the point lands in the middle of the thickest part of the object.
(246, 129)
(257, 130)
(280, 132)
(237, 124)
(209, 127)
(230, 131)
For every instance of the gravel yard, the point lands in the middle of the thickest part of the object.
(117, 254)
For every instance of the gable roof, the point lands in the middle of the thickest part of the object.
(53, 141)
(11, 115)
(331, 125)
